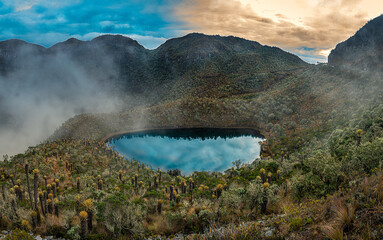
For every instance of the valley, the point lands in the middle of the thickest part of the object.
(319, 175)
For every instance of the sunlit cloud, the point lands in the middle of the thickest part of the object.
(291, 25)
(325, 52)
(47, 22)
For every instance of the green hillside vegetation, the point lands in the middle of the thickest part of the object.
(302, 195)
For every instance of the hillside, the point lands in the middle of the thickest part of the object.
(363, 51)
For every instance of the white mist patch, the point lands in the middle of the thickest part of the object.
(37, 98)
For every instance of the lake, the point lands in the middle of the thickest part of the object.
(199, 149)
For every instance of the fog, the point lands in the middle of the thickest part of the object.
(44, 91)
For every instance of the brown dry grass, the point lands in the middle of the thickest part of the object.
(344, 214)
(332, 231)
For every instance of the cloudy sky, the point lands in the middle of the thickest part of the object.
(308, 28)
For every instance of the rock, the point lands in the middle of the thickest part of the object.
(269, 233)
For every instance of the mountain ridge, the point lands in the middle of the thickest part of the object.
(120, 36)
(363, 50)
(192, 60)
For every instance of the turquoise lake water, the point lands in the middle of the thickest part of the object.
(190, 149)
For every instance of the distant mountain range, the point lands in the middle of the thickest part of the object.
(190, 62)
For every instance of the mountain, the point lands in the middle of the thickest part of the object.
(363, 51)
(12, 53)
(195, 62)
(202, 65)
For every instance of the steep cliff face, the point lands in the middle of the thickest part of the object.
(363, 51)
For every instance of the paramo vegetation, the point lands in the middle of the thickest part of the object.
(319, 175)
(83, 189)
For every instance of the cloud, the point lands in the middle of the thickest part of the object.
(320, 25)
(47, 21)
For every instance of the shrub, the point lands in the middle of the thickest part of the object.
(124, 218)
(271, 167)
(74, 233)
(309, 185)
(18, 234)
(254, 194)
(231, 199)
(368, 156)
(56, 231)
(325, 166)
(296, 223)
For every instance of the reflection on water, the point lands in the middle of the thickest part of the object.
(190, 149)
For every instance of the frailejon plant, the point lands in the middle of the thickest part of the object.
(49, 188)
(16, 188)
(159, 175)
(28, 185)
(171, 192)
(54, 189)
(78, 184)
(155, 181)
(25, 225)
(34, 219)
(358, 137)
(49, 203)
(3, 182)
(42, 203)
(56, 202)
(88, 205)
(35, 186)
(12, 179)
(45, 201)
(77, 199)
(178, 198)
(57, 183)
(46, 181)
(266, 185)
(83, 217)
(218, 190)
(263, 176)
(159, 206)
